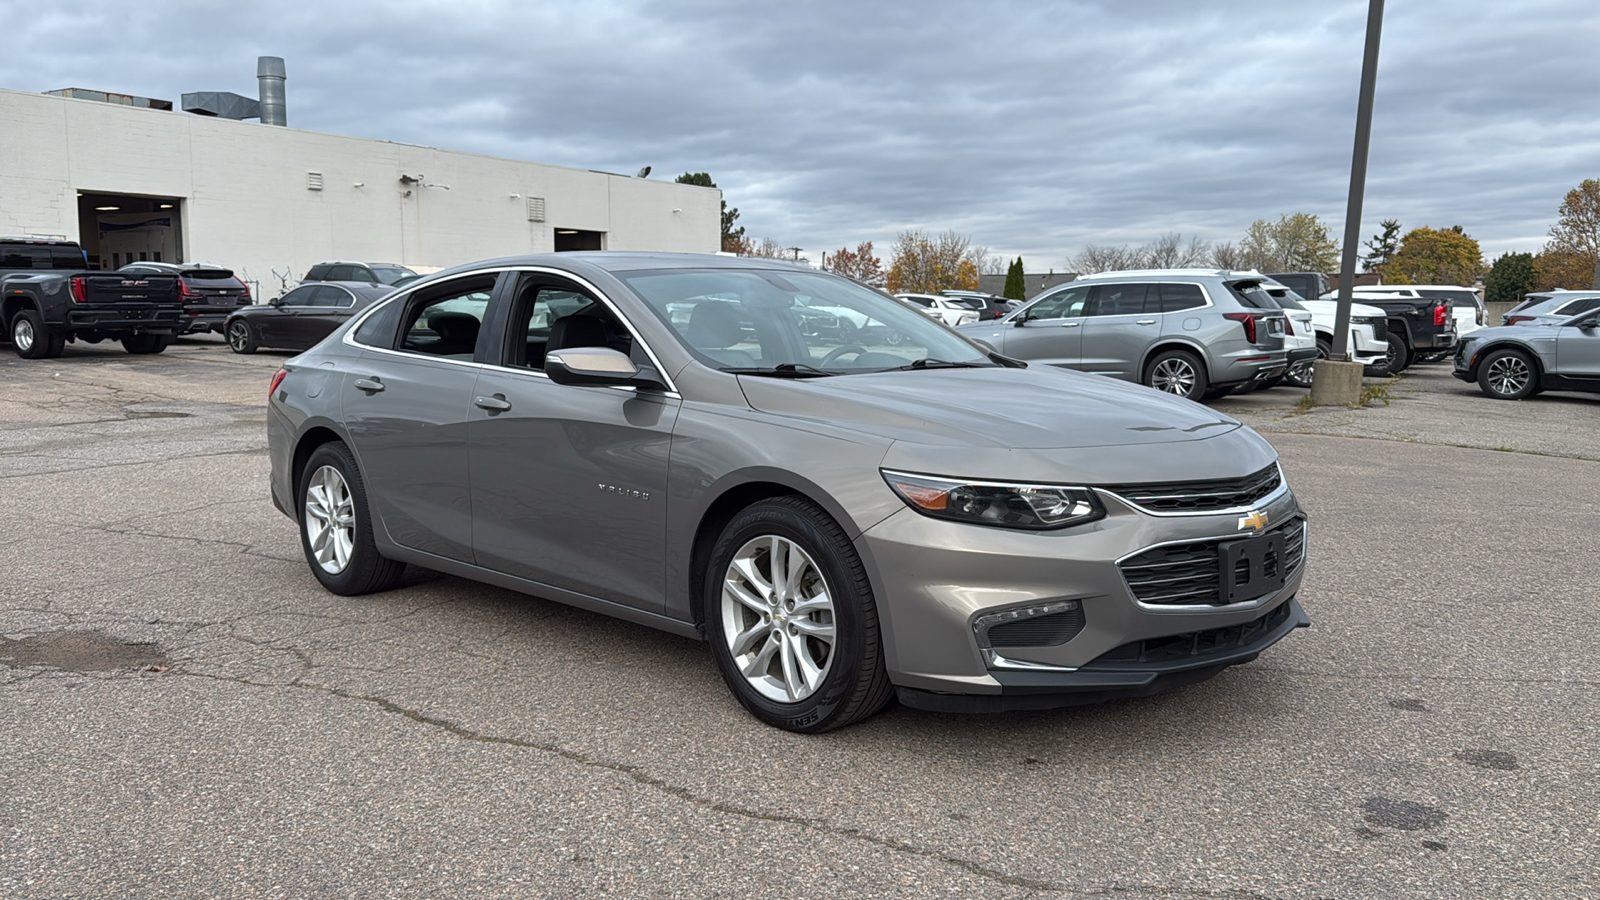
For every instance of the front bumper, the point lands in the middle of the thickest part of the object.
(937, 579)
(1138, 669)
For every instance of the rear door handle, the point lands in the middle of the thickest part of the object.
(493, 404)
(370, 385)
(1145, 322)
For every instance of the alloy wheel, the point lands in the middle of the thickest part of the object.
(22, 334)
(1508, 375)
(239, 337)
(1175, 376)
(778, 618)
(330, 519)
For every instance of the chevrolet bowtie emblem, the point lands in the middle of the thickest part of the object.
(1256, 521)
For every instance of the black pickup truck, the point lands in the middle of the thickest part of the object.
(49, 297)
(1420, 328)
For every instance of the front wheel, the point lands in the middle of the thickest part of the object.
(1508, 375)
(1177, 372)
(241, 337)
(792, 620)
(142, 344)
(336, 525)
(1396, 358)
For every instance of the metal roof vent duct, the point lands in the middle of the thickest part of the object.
(270, 75)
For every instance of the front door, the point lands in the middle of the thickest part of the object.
(1578, 350)
(1051, 329)
(276, 325)
(1118, 329)
(569, 484)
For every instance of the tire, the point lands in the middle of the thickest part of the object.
(1301, 373)
(241, 337)
(1177, 372)
(145, 344)
(1396, 359)
(742, 607)
(336, 525)
(33, 339)
(1508, 375)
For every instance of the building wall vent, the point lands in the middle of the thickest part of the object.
(535, 209)
(313, 181)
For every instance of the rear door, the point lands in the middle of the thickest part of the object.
(405, 407)
(329, 308)
(569, 483)
(1119, 328)
(1050, 330)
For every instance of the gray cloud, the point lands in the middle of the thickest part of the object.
(1034, 127)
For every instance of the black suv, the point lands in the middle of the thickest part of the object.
(209, 293)
(371, 273)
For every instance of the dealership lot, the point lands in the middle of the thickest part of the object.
(188, 713)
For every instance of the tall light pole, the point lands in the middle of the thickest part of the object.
(1345, 383)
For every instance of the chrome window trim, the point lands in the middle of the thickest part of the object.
(1060, 289)
(1275, 496)
(1257, 603)
(404, 296)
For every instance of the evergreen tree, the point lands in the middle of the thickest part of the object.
(1511, 276)
(1383, 245)
(1016, 287)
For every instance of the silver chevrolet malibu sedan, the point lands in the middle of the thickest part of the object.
(846, 498)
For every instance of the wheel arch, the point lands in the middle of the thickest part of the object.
(16, 303)
(310, 439)
(1163, 345)
(1482, 352)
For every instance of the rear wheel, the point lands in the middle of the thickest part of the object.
(1508, 375)
(336, 525)
(1177, 372)
(1396, 358)
(146, 343)
(33, 339)
(241, 337)
(1301, 373)
(792, 620)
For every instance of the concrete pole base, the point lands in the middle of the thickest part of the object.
(1336, 383)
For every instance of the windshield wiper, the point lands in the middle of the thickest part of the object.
(781, 370)
(931, 363)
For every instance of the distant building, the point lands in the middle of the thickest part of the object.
(1033, 285)
(129, 179)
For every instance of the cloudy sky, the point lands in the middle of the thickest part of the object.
(1034, 127)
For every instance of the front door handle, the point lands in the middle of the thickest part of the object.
(370, 385)
(1070, 324)
(1145, 322)
(493, 404)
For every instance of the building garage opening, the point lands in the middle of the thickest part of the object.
(573, 239)
(117, 229)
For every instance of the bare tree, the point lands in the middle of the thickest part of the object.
(1103, 258)
(1170, 251)
(1227, 255)
(987, 263)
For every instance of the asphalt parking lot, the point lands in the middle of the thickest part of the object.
(187, 713)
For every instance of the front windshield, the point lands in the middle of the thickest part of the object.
(797, 323)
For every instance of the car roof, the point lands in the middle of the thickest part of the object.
(1168, 273)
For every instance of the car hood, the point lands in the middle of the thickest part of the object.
(1038, 407)
(1522, 331)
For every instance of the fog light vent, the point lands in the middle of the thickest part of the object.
(1044, 625)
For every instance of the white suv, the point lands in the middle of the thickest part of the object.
(944, 309)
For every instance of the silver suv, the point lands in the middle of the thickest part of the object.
(1197, 333)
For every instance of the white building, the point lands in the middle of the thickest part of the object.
(269, 201)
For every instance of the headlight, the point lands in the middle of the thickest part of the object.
(1031, 506)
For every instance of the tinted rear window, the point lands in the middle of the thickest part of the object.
(1252, 294)
(1117, 299)
(1181, 296)
(379, 328)
(23, 256)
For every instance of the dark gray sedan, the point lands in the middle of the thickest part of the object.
(1511, 362)
(847, 515)
(301, 318)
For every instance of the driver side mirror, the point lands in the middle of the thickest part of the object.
(600, 366)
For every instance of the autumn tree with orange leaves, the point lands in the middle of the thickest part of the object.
(860, 264)
(926, 264)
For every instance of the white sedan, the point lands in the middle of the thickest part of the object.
(942, 308)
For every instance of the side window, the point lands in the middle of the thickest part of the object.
(300, 296)
(327, 296)
(1580, 306)
(923, 302)
(379, 328)
(1181, 296)
(446, 321)
(341, 273)
(1064, 304)
(1117, 299)
(551, 317)
(317, 273)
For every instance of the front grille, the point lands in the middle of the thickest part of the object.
(1038, 631)
(1195, 644)
(1190, 574)
(1201, 496)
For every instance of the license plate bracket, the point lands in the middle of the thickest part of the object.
(1251, 567)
